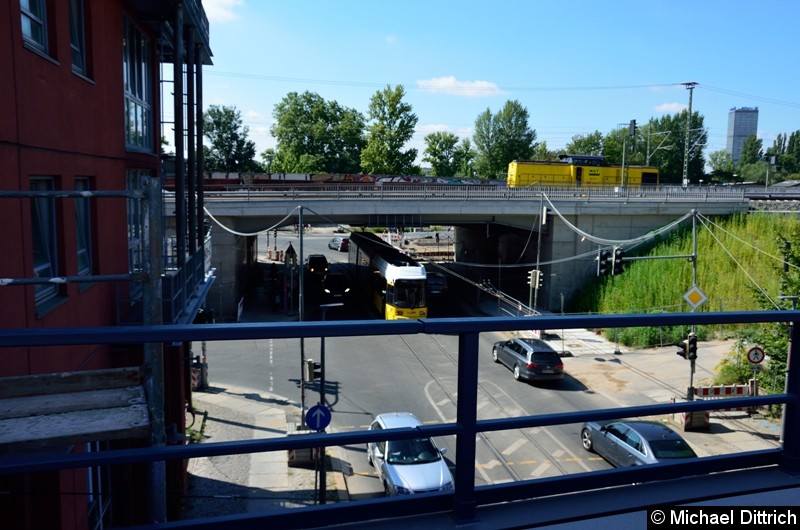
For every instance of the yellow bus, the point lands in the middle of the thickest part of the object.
(394, 281)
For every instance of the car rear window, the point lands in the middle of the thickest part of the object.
(669, 449)
(545, 357)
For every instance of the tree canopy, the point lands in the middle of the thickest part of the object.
(316, 136)
(501, 138)
(229, 149)
(392, 124)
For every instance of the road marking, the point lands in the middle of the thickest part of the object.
(541, 470)
(271, 371)
(491, 464)
(513, 447)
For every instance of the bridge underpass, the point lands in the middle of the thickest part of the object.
(500, 234)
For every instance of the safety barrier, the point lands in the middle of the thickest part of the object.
(727, 391)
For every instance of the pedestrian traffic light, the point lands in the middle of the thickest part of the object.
(691, 348)
(684, 349)
(604, 263)
(618, 265)
(311, 371)
(539, 279)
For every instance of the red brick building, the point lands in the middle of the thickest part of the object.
(84, 246)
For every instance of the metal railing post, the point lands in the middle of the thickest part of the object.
(466, 416)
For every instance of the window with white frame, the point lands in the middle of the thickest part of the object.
(83, 228)
(138, 79)
(34, 23)
(45, 243)
(77, 36)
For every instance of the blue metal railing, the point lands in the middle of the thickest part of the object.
(466, 498)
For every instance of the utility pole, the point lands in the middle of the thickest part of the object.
(690, 87)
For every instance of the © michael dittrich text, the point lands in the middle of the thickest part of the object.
(746, 516)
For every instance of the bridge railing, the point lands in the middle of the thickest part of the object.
(466, 500)
(441, 192)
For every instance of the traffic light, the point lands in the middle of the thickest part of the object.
(533, 277)
(632, 128)
(691, 348)
(539, 279)
(618, 265)
(604, 263)
(684, 349)
(311, 371)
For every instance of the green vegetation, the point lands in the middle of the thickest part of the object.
(740, 267)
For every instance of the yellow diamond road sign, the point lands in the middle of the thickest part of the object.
(695, 297)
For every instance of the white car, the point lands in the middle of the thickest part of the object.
(408, 466)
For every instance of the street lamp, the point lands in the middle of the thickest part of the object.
(322, 471)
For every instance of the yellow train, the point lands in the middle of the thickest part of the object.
(578, 171)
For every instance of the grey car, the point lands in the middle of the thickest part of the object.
(409, 466)
(529, 359)
(634, 443)
(340, 243)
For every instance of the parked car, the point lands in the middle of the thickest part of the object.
(317, 265)
(529, 359)
(407, 466)
(436, 284)
(336, 287)
(634, 443)
(340, 243)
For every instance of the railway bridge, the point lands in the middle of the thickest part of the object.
(558, 231)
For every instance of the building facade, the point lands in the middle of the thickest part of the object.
(80, 141)
(742, 122)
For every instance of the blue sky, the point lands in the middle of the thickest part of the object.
(576, 66)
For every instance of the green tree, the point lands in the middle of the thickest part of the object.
(502, 138)
(392, 125)
(316, 136)
(589, 144)
(229, 149)
(541, 152)
(751, 151)
(671, 161)
(721, 163)
(463, 159)
(440, 152)
(790, 160)
(754, 172)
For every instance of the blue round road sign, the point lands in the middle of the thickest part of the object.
(318, 417)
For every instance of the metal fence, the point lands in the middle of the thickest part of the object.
(466, 499)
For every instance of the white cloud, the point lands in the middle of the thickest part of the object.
(427, 128)
(671, 107)
(221, 10)
(450, 85)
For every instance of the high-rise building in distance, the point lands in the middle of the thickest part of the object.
(742, 122)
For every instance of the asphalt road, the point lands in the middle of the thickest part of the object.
(366, 376)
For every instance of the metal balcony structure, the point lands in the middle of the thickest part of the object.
(526, 503)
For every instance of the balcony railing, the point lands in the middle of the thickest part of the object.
(466, 502)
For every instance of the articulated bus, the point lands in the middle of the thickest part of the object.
(578, 171)
(394, 281)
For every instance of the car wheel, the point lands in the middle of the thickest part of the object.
(369, 459)
(494, 355)
(586, 439)
(386, 490)
(517, 375)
